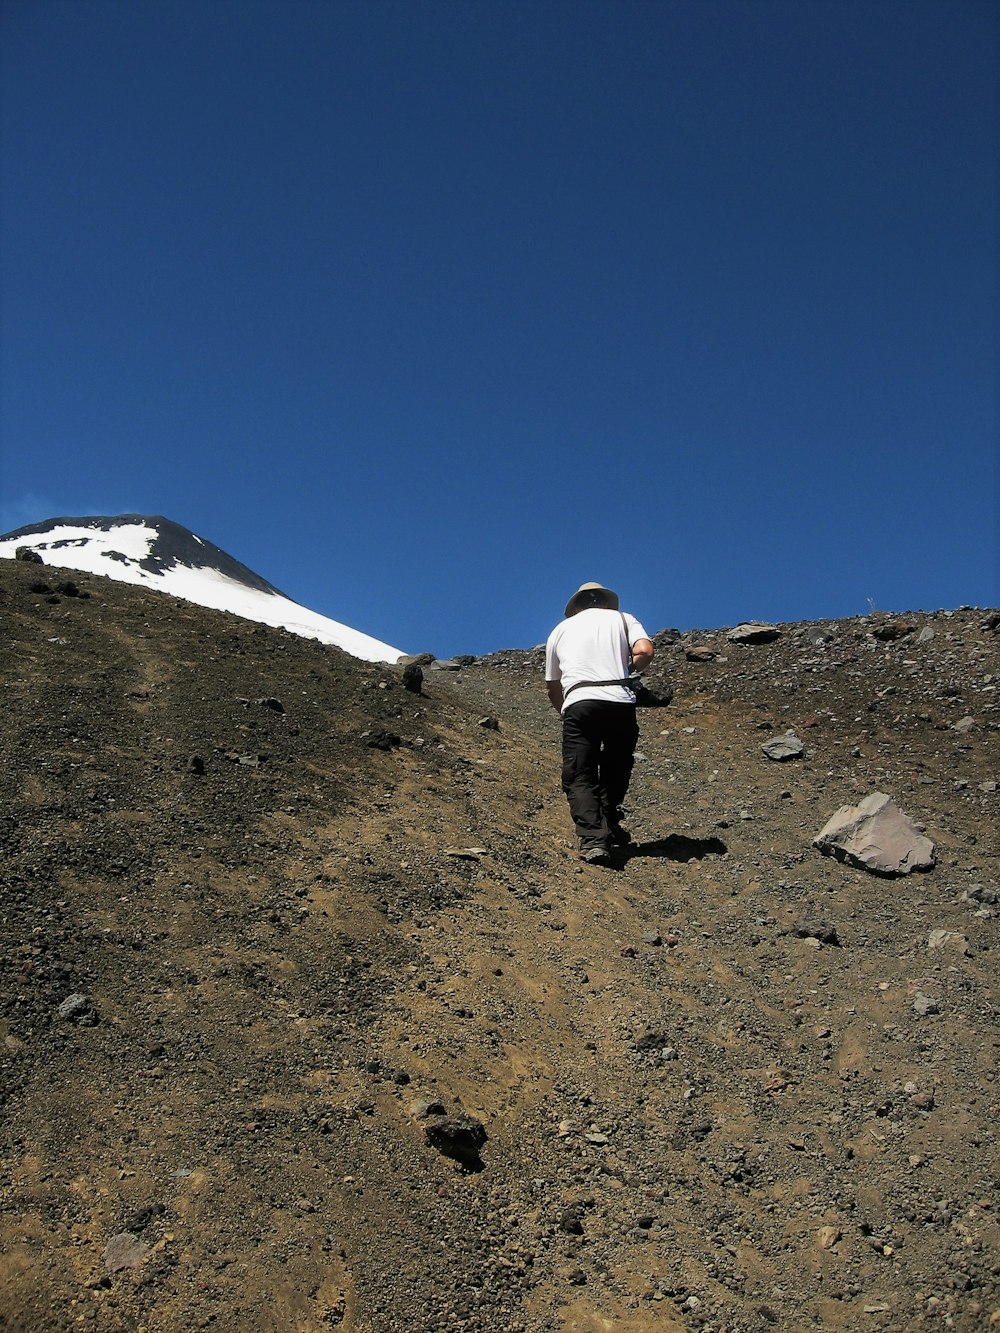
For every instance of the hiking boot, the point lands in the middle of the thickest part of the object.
(596, 855)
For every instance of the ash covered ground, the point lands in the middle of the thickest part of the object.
(312, 1019)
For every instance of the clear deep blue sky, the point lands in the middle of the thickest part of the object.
(429, 312)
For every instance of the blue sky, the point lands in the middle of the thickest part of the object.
(429, 312)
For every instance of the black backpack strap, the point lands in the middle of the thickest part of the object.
(632, 683)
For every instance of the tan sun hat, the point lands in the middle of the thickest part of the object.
(592, 594)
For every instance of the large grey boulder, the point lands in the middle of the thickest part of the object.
(876, 836)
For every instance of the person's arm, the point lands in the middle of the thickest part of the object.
(555, 692)
(642, 654)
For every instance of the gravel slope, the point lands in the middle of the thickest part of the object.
(281, 939)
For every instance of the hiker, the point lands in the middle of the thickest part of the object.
(587, 659)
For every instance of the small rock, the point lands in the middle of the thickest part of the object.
(76, 1008)
(652, 937)
(923, 1101)
(948, 939)
(196, 765)
(459, 1137)
(827, 1237)
(700, 653)
(28, 556)
(245, 760)
(275, 705)
(141, 1220)
(653, 1040)
(964, 725)
(819, 636)
(124, 1251)
(812, 925)
(382, 740)
(889, 630)
(413, 678)
(754, 632)
(776, 1080)
(978, 893)
(421, 1109)
(924, 1005)
(782, 748)
(490, 723)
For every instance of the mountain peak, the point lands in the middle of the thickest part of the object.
(159, 553)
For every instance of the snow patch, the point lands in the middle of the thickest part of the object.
(116, 552)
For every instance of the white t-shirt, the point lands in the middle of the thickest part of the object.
(592, 646)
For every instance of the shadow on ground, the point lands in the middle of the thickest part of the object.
(676, 847)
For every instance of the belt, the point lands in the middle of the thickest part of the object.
(633, 683)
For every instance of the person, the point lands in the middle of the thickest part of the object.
(586, 664)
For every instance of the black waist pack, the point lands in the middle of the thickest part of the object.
(647, 698)
(644, 697)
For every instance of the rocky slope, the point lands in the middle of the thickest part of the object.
(312, 1019)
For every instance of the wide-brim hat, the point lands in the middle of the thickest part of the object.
(592, 594)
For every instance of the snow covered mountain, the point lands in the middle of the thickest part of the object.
(160, 554)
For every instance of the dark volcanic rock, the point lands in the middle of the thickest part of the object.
(413, 678)
(457, 1136)
(382, 739)
(813, 925)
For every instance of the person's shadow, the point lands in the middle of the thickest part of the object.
(675, 847)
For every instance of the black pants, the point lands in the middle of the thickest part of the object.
(599, 740)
